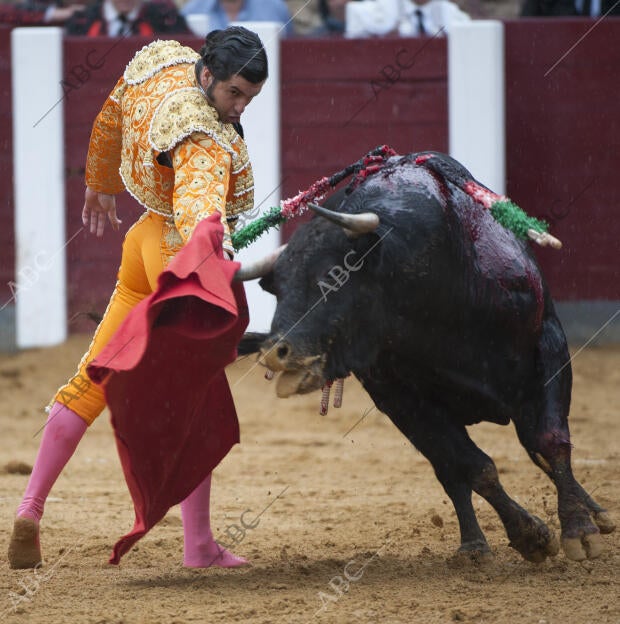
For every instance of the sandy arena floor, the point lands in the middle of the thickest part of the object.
(336, 493)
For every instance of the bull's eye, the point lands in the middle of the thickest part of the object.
(282, 351)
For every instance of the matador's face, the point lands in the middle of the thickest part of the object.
(229, 97)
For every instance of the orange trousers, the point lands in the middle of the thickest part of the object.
(149, 245)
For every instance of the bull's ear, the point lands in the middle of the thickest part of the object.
(267, 283)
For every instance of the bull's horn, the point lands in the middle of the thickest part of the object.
(362, 223)
(258, 268)
(544, 238)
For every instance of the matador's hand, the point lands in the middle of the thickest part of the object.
(98, 206)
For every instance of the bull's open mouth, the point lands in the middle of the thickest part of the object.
(298, 381)
(299, 373)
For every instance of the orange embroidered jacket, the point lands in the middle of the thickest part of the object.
(157, 107)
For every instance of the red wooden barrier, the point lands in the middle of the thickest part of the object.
(341, 98)
(563, 146)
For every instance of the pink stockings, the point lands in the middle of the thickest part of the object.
(61, 435)
(63, 431)
(200, 549)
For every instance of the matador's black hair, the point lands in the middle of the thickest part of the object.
(235, 50)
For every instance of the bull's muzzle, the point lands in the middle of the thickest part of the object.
(280, 355)
(299, 373)
(275, 356)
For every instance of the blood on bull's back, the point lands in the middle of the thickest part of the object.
(465, 295)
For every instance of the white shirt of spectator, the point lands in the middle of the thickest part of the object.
(381, 17)
(372, 17)
(116, 26)
(436, 15)
(595, 7)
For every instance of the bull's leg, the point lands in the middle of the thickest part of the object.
(542, 427)
(451, 456)
(462, 467)
(527, 533)
(473, 541)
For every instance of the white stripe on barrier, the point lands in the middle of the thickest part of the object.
(476, 100)
(261, 124)
(38, 161)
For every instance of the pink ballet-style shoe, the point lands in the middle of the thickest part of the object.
(200, 550)
(213, 555)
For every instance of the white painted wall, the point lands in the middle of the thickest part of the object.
(261, 124)
(38, 165)
(476, 100)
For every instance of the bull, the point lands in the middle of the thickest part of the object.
(444, 316)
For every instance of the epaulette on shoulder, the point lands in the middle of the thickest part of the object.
(154, 57)
(184, 112)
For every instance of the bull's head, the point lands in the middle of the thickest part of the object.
(321, 284)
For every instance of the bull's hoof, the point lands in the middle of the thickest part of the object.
(24, 547)
(473, 552)
(586, 546)
(536, 542)
(604, 522)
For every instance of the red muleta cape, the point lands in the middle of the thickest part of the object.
(163, 373)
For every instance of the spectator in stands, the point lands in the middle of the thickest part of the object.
(598, 8)
(120, 18)
(579, 8)
(36, 13)
(332, 14)
(492, 9)
(548, 8)
(407, 18)
(305, 15)
(430, 18)
(221, 13)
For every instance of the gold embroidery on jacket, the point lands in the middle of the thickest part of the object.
(155, 56)
(157, 108)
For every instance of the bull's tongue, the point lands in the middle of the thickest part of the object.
(297, 382)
